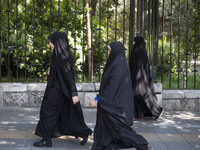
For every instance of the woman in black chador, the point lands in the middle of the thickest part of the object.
(143, 91)
(61, 112)
(115, 106)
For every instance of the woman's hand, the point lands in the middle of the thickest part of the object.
(92, 103)
(75, 100)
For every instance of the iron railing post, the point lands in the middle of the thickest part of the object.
(131, 24)
(155, 17)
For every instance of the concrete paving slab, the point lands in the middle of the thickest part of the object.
(14, 134)
(171, 137)
(165, 130)
(191, 137)
(158, 145)
(187, 130)
(196, 145)
(20, 127)
(179, 145)
(9, 143)
(150, 137)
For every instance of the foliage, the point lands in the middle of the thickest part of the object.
(25, 34)
(179, 48)
(26, 26)
(180, 83)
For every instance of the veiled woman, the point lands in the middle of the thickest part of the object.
(115, 106)
(145, 99)
(61, 112)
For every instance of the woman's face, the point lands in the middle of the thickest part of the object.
(109, 50)
(133, 42)
(51, 45)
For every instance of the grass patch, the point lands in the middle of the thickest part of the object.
(192, 82)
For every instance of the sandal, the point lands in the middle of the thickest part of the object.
(139, 118)
(159, 115)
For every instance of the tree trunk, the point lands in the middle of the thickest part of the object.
(89, 42)
(94, 4)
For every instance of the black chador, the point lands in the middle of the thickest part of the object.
(58, 114)
(115, 106)
(144, 94)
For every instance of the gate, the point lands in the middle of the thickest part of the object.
(169, 27)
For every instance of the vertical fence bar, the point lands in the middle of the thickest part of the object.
(170, 54)
(186, 54)
(138, 5)
(141, 18)
(8, 47)
(25, 48)
(50, 30)
(116, 20)
(179, 35)
(149, 36)
(74, 49)
(152, 35)
(67, 19)
(59, 14)
(154, 40)
(131, 24)
(108, 14)
(195, 43)
(17, 47)
(99, 64)
(163, 13)
(0, 45)
(171, 18)
(50, 22)
(124, 12)
(145, 20)
(42, 38)
(83, 49)
(33, 64)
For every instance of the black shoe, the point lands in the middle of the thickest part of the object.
(43, 143)
(85, 139)
(159, 115)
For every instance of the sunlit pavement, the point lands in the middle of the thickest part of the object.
(173, 131)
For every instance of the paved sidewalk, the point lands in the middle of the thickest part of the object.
(174, 131)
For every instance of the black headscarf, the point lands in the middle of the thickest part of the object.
(139, 43)
(64, 64)
(117, 53)
(140, 68)
(61, 46)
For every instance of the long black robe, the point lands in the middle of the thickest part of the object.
(116, 106)
(58, 114)
(144, 94)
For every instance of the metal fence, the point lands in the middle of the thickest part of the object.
(169, 27)
(179, 44)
